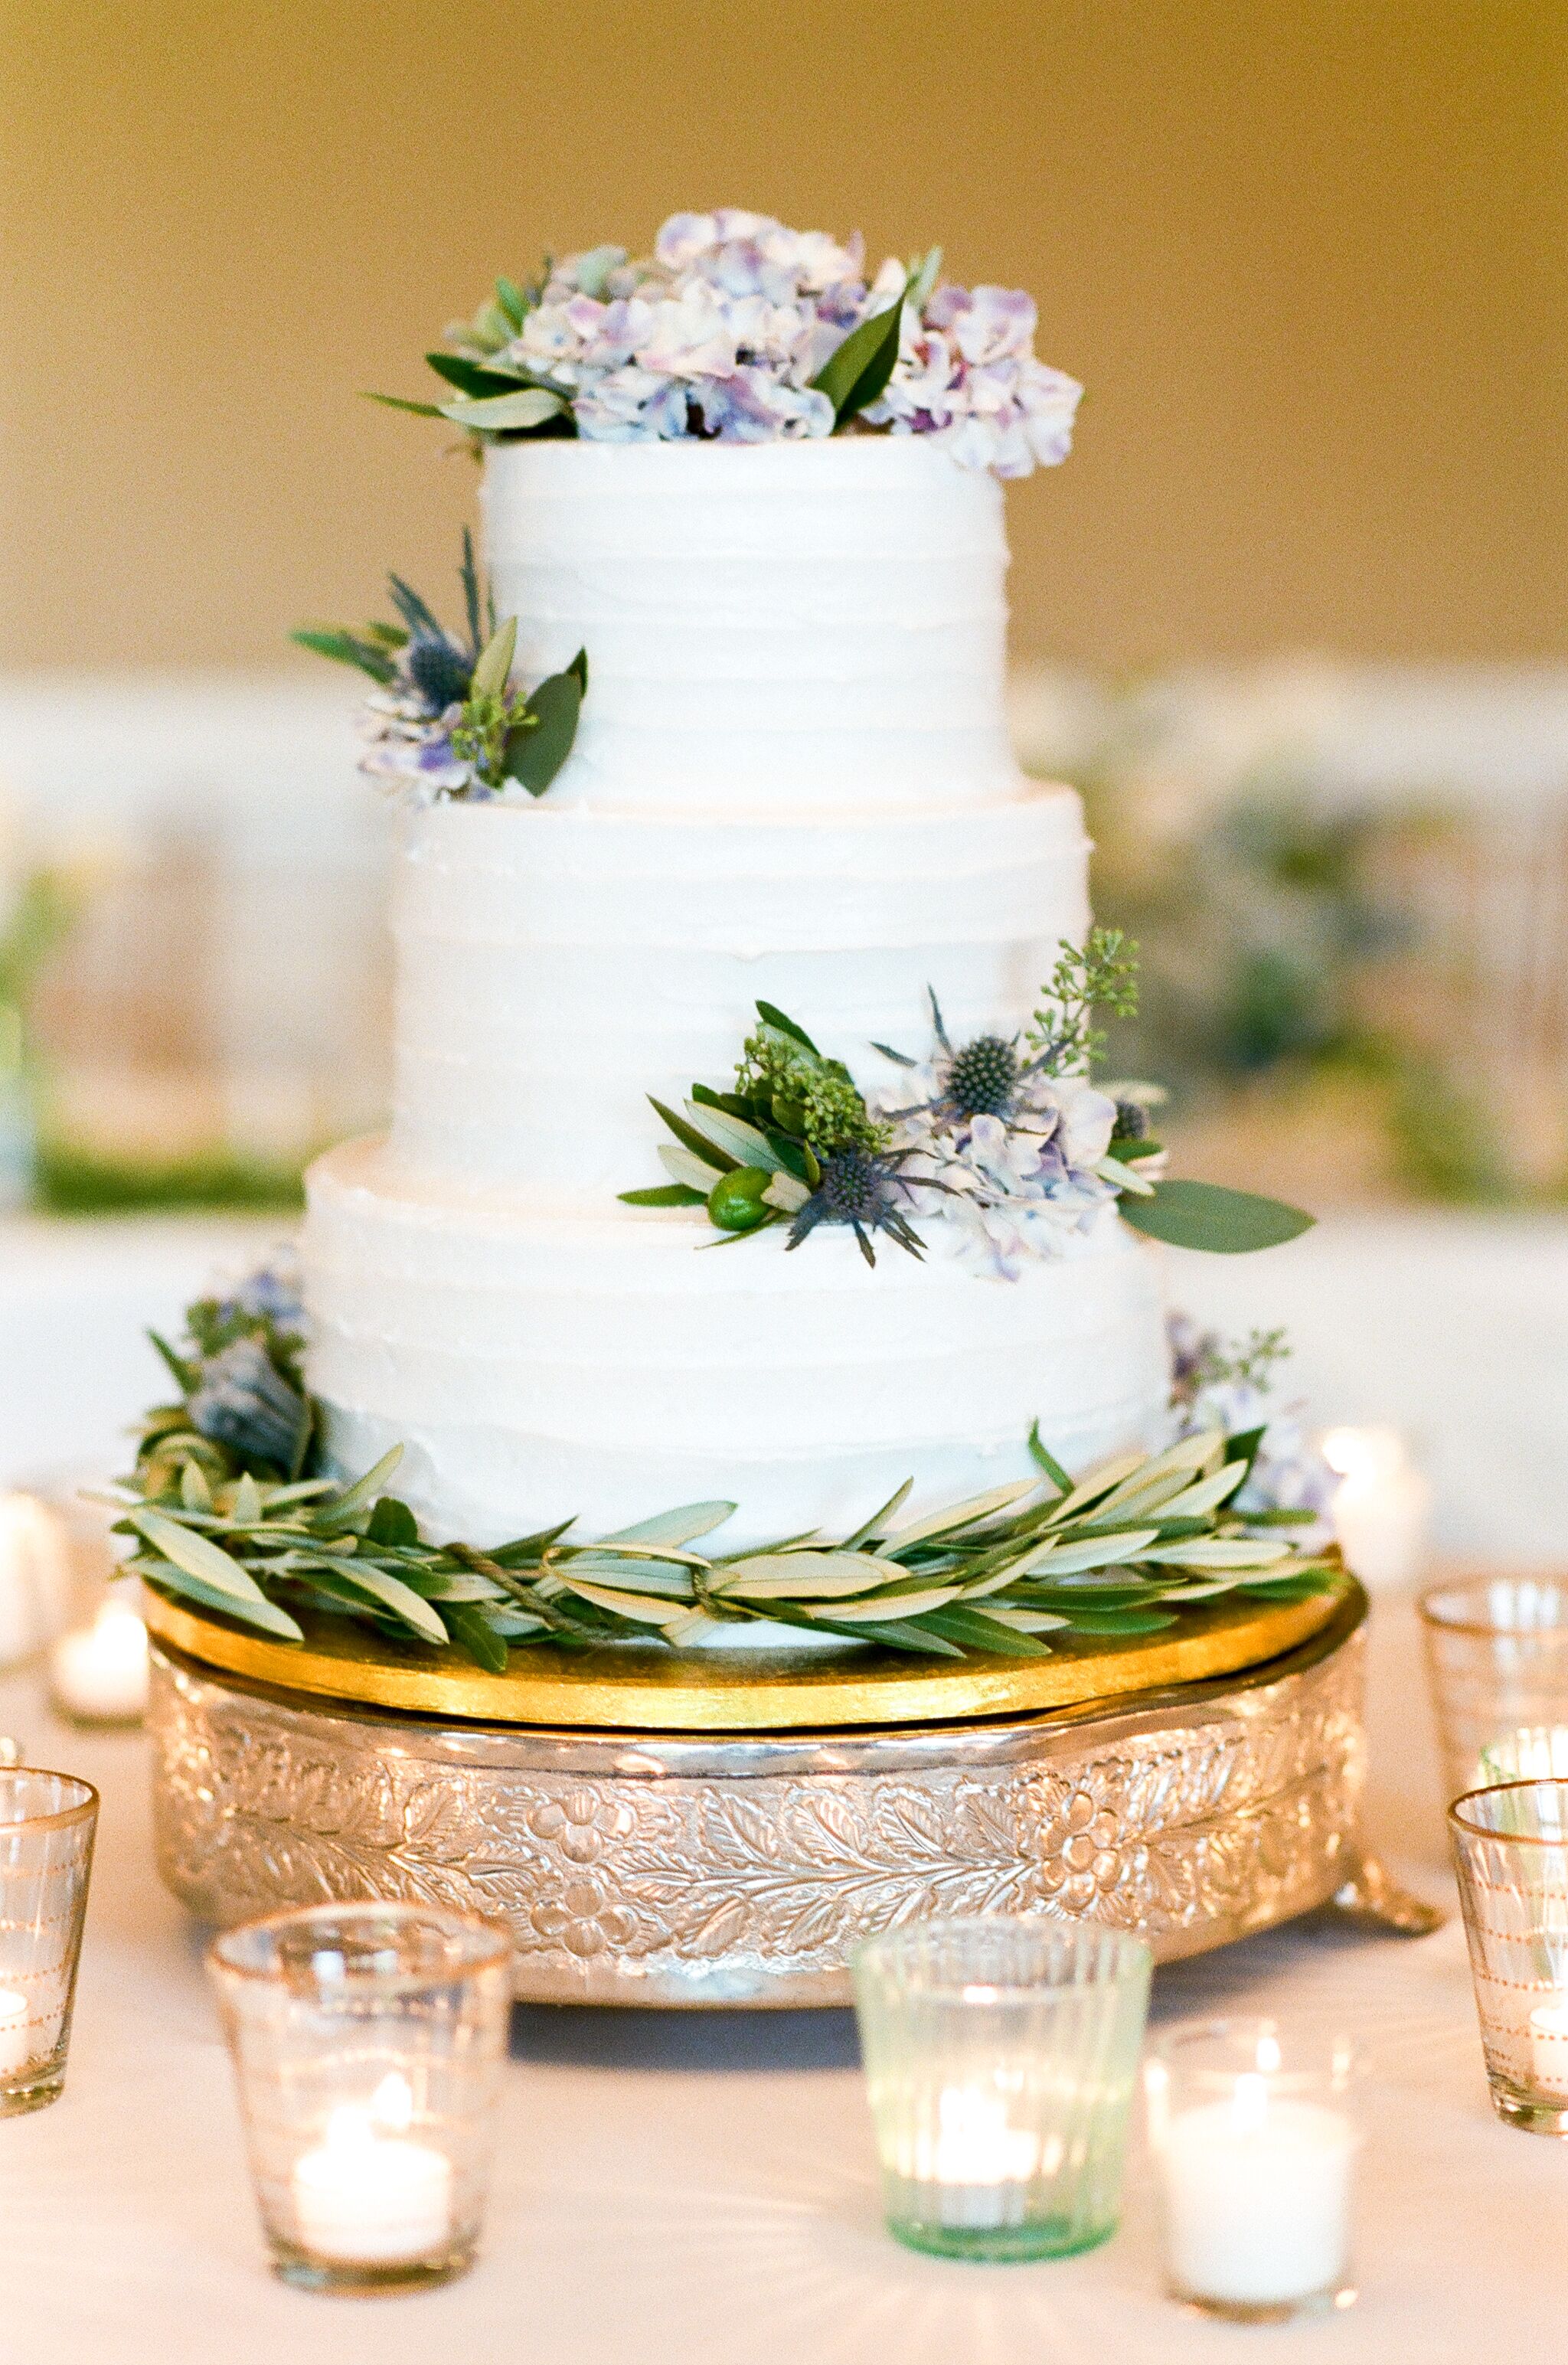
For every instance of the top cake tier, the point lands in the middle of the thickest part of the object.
(771, 629)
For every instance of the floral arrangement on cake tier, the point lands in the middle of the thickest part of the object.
(232, 1512)
(736, 329)
(1005, 1137)
(445, 718)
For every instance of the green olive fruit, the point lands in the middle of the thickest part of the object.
(735, 1203)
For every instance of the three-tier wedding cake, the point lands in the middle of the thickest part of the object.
(791, 780)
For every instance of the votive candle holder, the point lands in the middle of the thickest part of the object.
(1254, 2144)
(367, 2043)
(1000, 2056)
(1498, 1663)
(1510, 1852)
(1535, 1752)
(48, 1822)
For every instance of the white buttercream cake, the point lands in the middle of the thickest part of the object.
(791, 780)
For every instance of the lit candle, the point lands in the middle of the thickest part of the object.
(37, 1567)
(369, 2196)
(979, 2166)
(17, 2047)
(1382, 1506)
(1549, 2048)
(99, 1674)
(1257, 2198)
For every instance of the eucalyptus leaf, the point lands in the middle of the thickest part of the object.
(742, 1142)
(535, 755)
(1187, 1215)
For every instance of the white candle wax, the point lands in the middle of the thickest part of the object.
(16, 2047)
(35, 1572)
(1382, 1506)
(979, 2164)
(100, 1673)
(369, 2198)
(1258, 2198)
(1549, 2048)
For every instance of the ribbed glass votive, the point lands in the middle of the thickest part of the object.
(1498, 1660)
(1510, 1851)
(1536, 1753)
(47, 1826)
(1254, 2145)
(1000, 2056)
(367, 2043)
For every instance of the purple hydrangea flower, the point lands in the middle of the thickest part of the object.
(720, 332)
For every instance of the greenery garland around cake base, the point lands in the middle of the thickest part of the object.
(230, 1511)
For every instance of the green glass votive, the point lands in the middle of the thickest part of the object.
(1000, 2055)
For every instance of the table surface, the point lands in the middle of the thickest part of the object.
(701, 2186)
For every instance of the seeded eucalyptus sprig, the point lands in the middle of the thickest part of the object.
(793, 1142)
(1120, 1552)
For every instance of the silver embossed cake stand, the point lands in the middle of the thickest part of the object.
(648, 1865)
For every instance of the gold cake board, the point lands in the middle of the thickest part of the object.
(648, 1687)
(741, 1858)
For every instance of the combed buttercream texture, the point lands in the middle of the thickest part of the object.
(792, 781)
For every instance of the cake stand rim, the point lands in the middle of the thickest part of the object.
(1228, 1642)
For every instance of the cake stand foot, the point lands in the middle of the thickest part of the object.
(1373, 1900)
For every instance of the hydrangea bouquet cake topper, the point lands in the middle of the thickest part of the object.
(1005, 1137)
(445, 718)
(737, 329)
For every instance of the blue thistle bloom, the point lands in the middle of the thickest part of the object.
(243, 1402)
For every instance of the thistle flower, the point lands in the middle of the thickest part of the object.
(862, 1189)
(243, 1402)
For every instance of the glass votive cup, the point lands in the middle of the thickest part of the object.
(1498, 1663)
(367, 2043)
(1536, 1753)
(1254, 2145)
(48, 1822)
(1000, 2055)
(1510, 1852)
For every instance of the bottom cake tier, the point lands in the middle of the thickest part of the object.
(744, 1868)
(536, 1366)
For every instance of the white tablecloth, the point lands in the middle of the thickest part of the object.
(698, 2190)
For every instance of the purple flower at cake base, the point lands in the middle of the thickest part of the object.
(1230, 1388)
(244, 1403)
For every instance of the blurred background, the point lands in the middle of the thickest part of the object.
(1293, 616)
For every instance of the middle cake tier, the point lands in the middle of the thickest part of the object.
(556, 967)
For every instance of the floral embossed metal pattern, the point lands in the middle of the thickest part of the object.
(640, 1882)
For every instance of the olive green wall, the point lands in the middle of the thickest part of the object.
(1308, 257)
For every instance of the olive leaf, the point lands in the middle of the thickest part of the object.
(502, 414)
(494, 668)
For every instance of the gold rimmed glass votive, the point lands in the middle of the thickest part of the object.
(1510, 1851)
(47, 1826)
(1498, 1660)
(1255, 2143)
(1000, 2056)
(367, 2043)
(1536, 1753)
